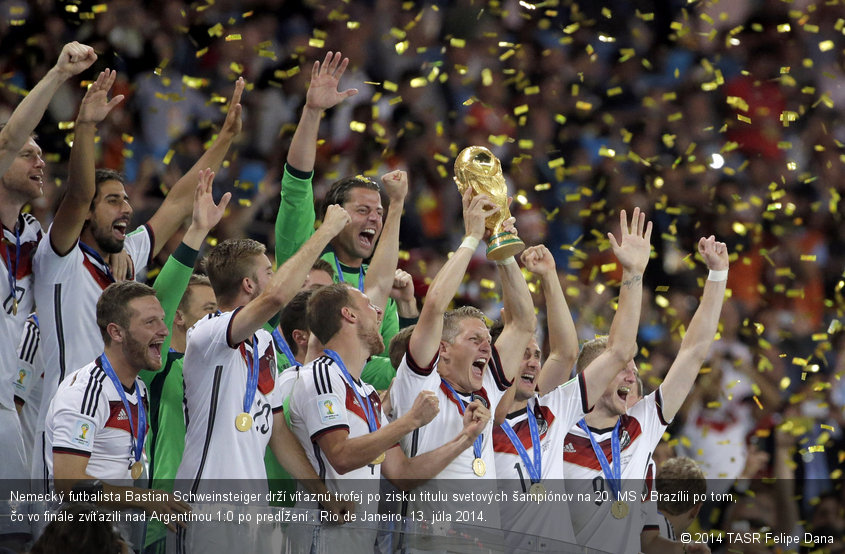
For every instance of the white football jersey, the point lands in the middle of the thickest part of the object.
(323, 401)
(556, 413)
(12, 324)
(215, 373)
(458, 477)
(66, 292)
(28, 384)
(639, 433)
(88, 418)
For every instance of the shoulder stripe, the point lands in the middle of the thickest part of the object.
(658, 401)
(499, 376)
(328, 376)
(97, 378)
(212, 411)
(29, 345)
(314, 370)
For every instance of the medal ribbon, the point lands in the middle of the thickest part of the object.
(13, 272)
(534, 470)
(283, 346)
(476, 446)
(137, 445)
(99, 259)
(367, 406)
(613, 476)
(340, 274)
(252, 378)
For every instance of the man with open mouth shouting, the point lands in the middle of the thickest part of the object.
(361, 197)
(606, 455)
(528, 442)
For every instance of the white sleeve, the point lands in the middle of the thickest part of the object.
(320, 400)
(139, 246)
(80, 412)
(649, 411)
(412, 378)
(27, 374)
(569, 401)
(48, 266)
(494, 380)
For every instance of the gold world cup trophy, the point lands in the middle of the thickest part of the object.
(477, 168)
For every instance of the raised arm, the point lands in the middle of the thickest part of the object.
(322, 94)
(521, 321)
(295, 219)
(380, 274)
(425, 339)
(563, 338)
(178, 203)
(632, 250)
(701, 331)
(171, 283)
(81, 188)
(73, 60)
(288, 279)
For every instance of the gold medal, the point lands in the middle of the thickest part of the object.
(379, 459)
(538, 490)
(619, 509)
(137, 470)
(479, 467)
(243, 422)
(15, 306)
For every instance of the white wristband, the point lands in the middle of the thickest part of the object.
(721, 275)
(469, 242)
(507, 261)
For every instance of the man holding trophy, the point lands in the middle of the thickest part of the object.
(451, 352)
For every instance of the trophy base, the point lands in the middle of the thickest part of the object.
(504, 245)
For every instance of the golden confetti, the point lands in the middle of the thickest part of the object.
(168, 157)
(230, 38)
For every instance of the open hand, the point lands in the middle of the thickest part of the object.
(233, 122)
(322, 92)
(634, 244)
(206, 213)
(95, 104)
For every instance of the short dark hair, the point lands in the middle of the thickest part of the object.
(197, 279)
(339, 191)
(113, 305)
(324, 306)
(95, 535)
(228, 263)
(103, 175)
(679, 475)
(399, 345)
(496, 330)
(295, 316)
